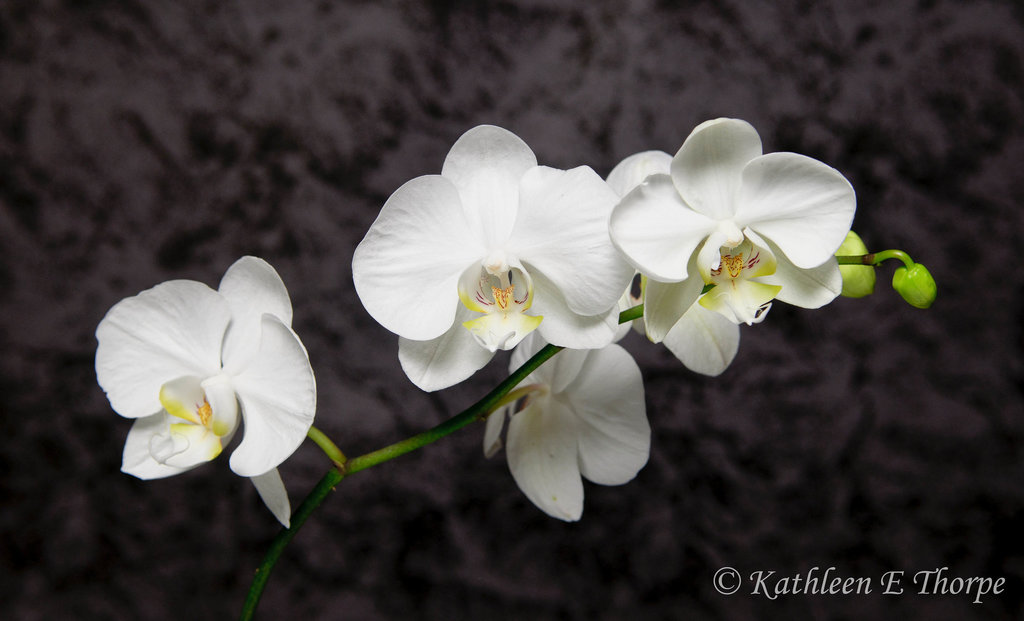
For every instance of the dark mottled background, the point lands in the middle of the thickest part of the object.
(144, 141)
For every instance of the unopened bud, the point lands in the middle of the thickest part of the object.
(858, 280)
(916, 285)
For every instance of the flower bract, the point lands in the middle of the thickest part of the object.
(192, 365)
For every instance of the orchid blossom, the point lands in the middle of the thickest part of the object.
(704, 341)
(470, 261)
(189, 364)
(583, 415)
(757, 226)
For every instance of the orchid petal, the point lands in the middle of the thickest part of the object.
(704, 341)
(277, 392)
(665, 303)
(445, 360)
(557, 373)
(562, 231)
(492, 433)
(656, 231)
(802, 205)
(563, 327)
(252, 287)
(172, 330)
(542, 456)
(632, 171)
(271, 489)
(706, 169)
(807, 288)
(564, 369)
(486, 164)
(407, 268)
(607, 396)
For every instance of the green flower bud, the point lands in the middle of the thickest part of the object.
(916, 285)
(858, 280)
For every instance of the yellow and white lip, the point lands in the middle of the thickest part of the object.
(736, 294)
(207, 415)
(503, 294)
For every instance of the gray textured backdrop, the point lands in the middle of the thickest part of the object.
(144, 141)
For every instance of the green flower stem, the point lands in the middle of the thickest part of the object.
(876, 258)
(515, 395)
(478, 411)
(283, 538)
(328, 447)
(631, 313)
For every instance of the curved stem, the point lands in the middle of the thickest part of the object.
(478, 411)
(876, 258)
(283, 538)
(328, 447)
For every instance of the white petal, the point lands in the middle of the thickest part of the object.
(486, 164)
(171, 330)
(561, 326)
(800, 204)
(137, 459)
(632, 171)
(656, 231)
(278, 396)
(252, 287)
(271, 489)
(445, 360)
(562, 231)
(704, 341)
(406, 270)
(608, 398)
(557, 373)
(807, 288)
(665, 303)
(706, 169)
(542, 456)
(492, 434)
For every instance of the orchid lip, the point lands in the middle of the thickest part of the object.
(738, 295)
(200, 414)
(503, 298)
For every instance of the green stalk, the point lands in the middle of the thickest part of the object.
(328, 447)
(875, 258)
(478, 411)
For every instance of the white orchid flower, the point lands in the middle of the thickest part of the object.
(190, 363)
(470, 261)
(585, 416)
(704, 341)
(759, 227)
